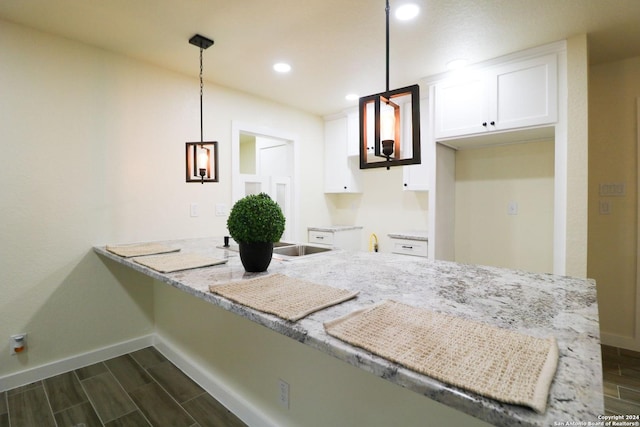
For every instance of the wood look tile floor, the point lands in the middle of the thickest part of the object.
(621, 381)
(144, 389)
(140, 389)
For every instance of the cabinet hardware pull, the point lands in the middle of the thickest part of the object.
(407, 247)
(484, 124)
(319, 237)
(492, 123)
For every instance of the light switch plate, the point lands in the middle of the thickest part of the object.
(613, 189)
(512, 208)
(221, 209)
(194, 209)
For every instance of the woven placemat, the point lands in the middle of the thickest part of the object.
(175, 262)
(497, 363)
(286, 297)
(140, 249)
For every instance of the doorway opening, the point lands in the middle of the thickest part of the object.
(263, 161)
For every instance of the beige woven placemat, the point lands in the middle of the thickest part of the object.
(175, 262)
(140, 249)
(497, 363)
(286, 297)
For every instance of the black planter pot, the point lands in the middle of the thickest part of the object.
(256, 256)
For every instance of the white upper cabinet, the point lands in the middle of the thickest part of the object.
(416, 177)
(353, 134)
(341, 170)
(461, 105)
(515, 95)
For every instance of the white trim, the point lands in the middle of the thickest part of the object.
(626, 342)
(636, 332)
(61, 366)
(236, 190)
(235, 403)
(561, 172)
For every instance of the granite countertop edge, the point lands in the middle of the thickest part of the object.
(310, 331)
(410, 235)
(335, 228)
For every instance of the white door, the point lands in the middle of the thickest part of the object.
(265, 164)
(282, 193)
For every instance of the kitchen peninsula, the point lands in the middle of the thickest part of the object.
(539, 305)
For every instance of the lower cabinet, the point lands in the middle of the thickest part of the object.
(413, 243)
(338, 237)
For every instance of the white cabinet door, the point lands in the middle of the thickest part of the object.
(461, 106)
(353, 134)
(525, 93)
(416, 177)
(515, 95)
(410, 247)
(341, 172)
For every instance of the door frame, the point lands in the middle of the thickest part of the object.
(236, 185)
(636, 331)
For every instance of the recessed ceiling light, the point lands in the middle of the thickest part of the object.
(407, 11)
(456, 64)
(282, 67)
(351, 97)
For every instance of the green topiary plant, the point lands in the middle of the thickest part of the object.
(256, 218)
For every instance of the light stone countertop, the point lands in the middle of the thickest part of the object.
(335, 228)
(540, 305)
(421, 235)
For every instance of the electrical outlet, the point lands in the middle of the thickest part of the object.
(605, 207)
(283, 393)
(18, 343)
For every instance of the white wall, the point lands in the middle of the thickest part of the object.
(613, 89)
(247, 360)
(382, 207)
(487, 180)
(92, 152)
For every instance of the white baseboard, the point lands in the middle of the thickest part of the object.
(626, 342)
(240, 407)
(74, 362)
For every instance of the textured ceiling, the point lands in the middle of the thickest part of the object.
(334, 46)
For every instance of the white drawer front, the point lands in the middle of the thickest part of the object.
(409, 247)
(321, 237)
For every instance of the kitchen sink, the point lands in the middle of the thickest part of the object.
(298, 250)
(234, 247)
(285, 250)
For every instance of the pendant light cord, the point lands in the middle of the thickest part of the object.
(201, 86)
(387, 13)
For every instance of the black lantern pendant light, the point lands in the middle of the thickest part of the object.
(202, 157)
(390, 124)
